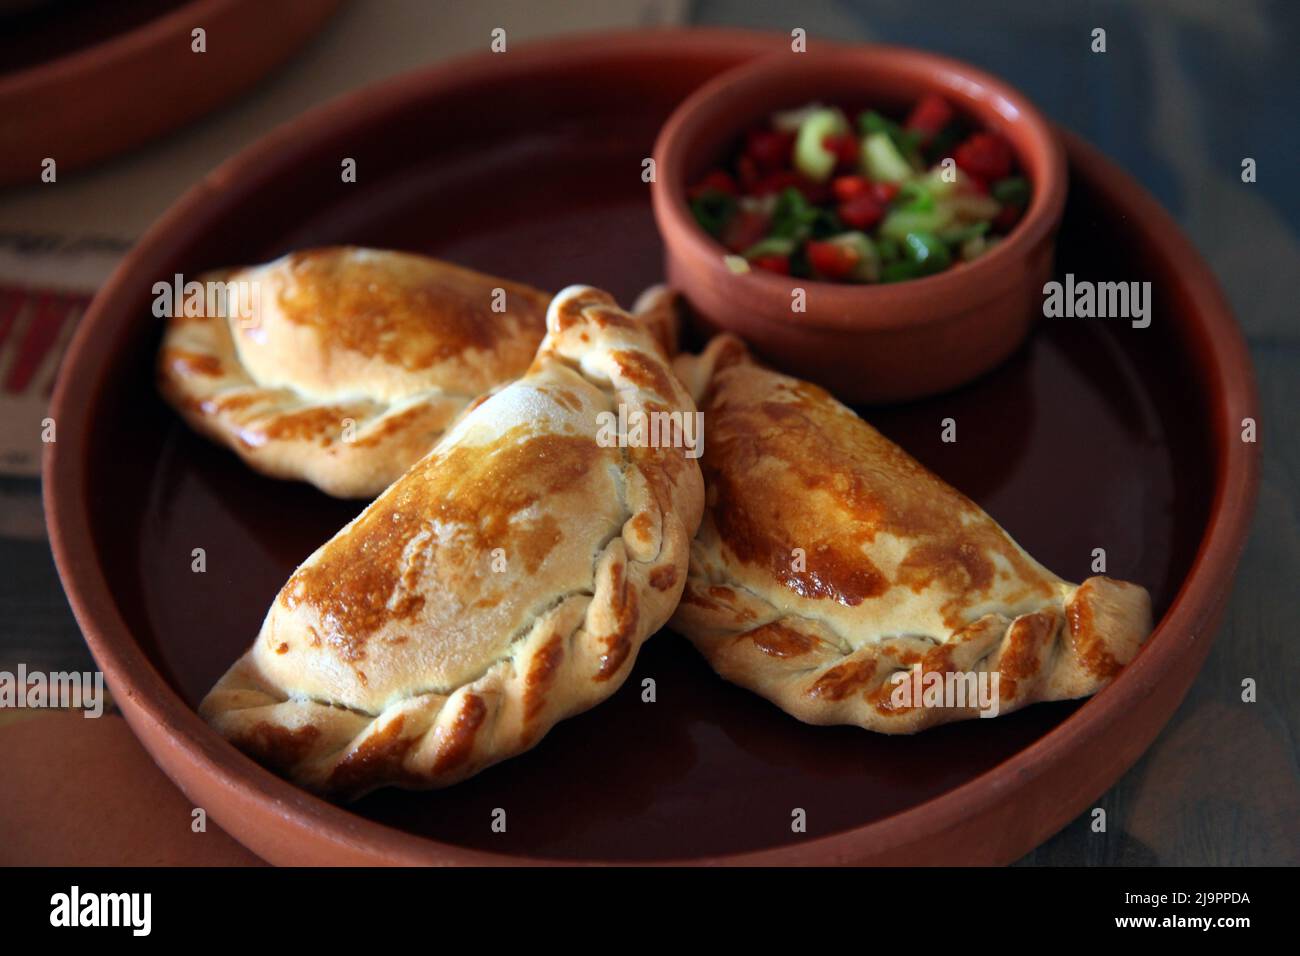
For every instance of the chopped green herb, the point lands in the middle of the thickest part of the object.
(793, 216)
(927, 251)
(713, 209)
(914, 197)
(907, 142)
(900, 271)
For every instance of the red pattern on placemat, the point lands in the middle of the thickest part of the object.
(11, 301)
(52, 311)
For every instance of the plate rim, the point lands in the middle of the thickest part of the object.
(179, 740)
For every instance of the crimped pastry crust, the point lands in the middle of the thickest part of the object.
(505, 582)
(352, 364)
(898, 571)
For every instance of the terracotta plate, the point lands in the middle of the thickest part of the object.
(1094, 435)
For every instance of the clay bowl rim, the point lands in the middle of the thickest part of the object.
(196, 757)
(120, 46)
(114, 62)
(844, 306)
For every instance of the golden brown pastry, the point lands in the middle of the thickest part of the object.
(505, 582)
(348, 363)
(832, 570)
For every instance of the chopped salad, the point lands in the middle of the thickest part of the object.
(815, 195)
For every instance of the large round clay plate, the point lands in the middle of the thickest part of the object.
(528, 164)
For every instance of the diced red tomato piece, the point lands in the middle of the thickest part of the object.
(986, 155)
(749, 172)
(930, 116)
(772, 263)
(845, 148)
(770, 149)
(816, 193)
(745, 228)
(1008, 217)
(862, 211)
(718, 181)
(846, 187)
(776, 182)
(832, 260)
(885, 192)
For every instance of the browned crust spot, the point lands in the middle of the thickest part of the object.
(642, 525)
(275, 746)
(1021, 658)
(663, 577)
(459, 742)
(938, 660)
(541, 674)
(618, 644)
(1089, 646)
(378, 759)
(697, 598)
(843, 679)
(717, 598)
(184, 362)
(322, 423)
(615, 318)
(779, 640)
(571, 310)
(232, 402)
(645, 372)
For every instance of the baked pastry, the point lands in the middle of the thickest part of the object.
(341, 366)
(831, 569)
(503, 583)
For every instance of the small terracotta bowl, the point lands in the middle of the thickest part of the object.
(876, 343)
